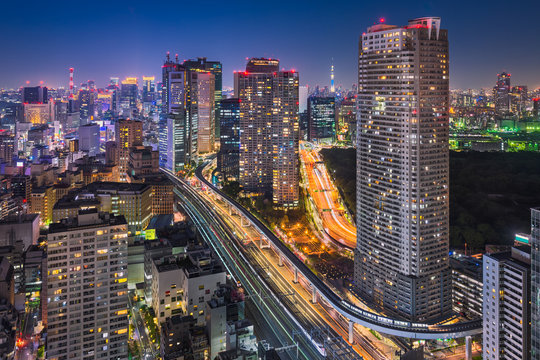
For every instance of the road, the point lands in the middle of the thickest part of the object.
(272, 315)
(326, 199)
(355, 314)
(297, 296)
(146, 345)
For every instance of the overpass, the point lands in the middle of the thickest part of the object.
(353, 313)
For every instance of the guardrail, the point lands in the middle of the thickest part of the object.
(350, 311)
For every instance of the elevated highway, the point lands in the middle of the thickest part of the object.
(353, 313)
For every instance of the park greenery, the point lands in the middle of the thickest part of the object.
(491, 193)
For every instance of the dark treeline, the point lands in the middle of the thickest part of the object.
(490, 193)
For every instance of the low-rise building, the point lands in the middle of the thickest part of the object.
(507, 304)
(466, 285)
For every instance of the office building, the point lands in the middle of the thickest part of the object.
(269, 131)
(128, 134)
(42, 200)
(35, 95)
(322, 118)
(149, 89)
(87, 299)
(215, 68)
(229, 149)
(168, 67)
(23, 228)
(39, 113)
(507, 304)
(401, 258)
(129, 94)
(202, 112)
(7, 146)
(501, 93)
(142, 161)
(89, 139)
(177, 125)
(87, 109)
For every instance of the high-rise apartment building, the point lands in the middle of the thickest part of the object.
(87, 299)
(507, 304)
(401, 259)
(229, 149)
(535, 283)
(269, 131)
(128, 133)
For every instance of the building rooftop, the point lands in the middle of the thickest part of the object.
(87, 219)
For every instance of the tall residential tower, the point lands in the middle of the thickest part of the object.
(401, 259)
(269, 131)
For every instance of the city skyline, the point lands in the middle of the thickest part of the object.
(305, 45)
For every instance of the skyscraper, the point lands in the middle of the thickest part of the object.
(269, 131)
(229, 148)
(401, 259)
(149, 89)
(129, 93)
(87, 300)
(321, 118)
(501, 93)
(177, 134)
(35, 95)
(215, 68)
(168, 67)
(128, 133)
(202, 112)
(535, 283)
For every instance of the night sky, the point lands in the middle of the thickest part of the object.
(40, 40)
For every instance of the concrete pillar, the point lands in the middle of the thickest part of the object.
(280, 263)
(351, 332)
(295, 276)
(313, 294)
(468, 348)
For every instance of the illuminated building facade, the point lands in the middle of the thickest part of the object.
(321, 118)
(129, 94)
(229, 148)
(501, 92)
(401, 259)
(149, 89)
(87, 298)
(128, 133)
(535, 282)
(202, 113)
(507, 304)
(215, 68)
(269, 131)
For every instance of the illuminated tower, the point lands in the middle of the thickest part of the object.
(501, 92)
(70, 81)
(332, 87)
(401, 259)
